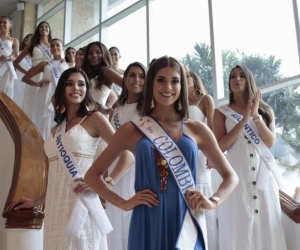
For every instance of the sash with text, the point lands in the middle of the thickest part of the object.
(87, 202)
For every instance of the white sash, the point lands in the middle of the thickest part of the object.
(28, 62)
(8, 65)
(87, 202)
(269, 162)
(54, 70)
(45, 50)
(180, 171)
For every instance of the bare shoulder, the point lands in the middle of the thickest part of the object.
(196, 127)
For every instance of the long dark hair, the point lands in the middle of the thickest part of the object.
(263, 108)
(156, 66)
(66, 52)
(122, 98)
(96, 71)
(59, 96)
(36, 37)
(22, 45)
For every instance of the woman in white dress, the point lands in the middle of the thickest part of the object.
(129, 108)
(97, 66)
(116, 56)
(82, 131)
(201, 108)
(38, 52)
(9, 50)
(251, 216)
(19, 87)
(46, 86)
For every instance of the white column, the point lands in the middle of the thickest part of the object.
(24, 239)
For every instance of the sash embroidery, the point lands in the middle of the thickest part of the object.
(180, 171)
(45, 50)
(8, 65)
(261, 148)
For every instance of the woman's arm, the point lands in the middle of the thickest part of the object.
(15, 49)
(20, 58)
(112, 98)
(267, 133)
(209, 146)
(209, 110)
(33, 72)
(124, 139)
(113, 76)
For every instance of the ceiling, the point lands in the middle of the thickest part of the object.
(8, 6)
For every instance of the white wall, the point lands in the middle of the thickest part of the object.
(17, 24)
(7, 156)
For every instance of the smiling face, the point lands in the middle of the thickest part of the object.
(95, 55)
(166, 86)
(5, 25)
(115, 55)
(28, 39)
(44, 29)
(79, 58)
(56, 47)
(134, 81)
(75, 89)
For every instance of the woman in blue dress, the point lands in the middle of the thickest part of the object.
(162, 211)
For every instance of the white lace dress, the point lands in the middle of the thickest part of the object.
(30, 93)
(203, 183)
(120, 219)
(7, 79)
(44, 109)
(60, 198)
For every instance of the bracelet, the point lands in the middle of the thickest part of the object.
(257, 119)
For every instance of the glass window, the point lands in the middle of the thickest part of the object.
(286, 105)
(50, 4)
(129, 35)
(265, 43)
(181, 30)
(56, 24)
(113, 7)
(87, 41)
(84, 16)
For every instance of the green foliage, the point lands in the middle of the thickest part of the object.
(266, 70)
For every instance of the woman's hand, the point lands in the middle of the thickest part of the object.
(43, 82)
(197, 200)
(81, 187)
(255, 105)
(21, 203)
(3, 58)
(208, 164)
(144, 197)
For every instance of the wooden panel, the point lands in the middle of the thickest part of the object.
(290, 206)
(30, 166)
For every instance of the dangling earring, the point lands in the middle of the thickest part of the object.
(179, 105)
(63, 108)
(196, 92)
(152, 103)
(125, 98)
(87, 107)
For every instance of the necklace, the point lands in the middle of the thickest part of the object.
(163, 170)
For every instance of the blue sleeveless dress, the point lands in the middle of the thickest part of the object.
(158, 228)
